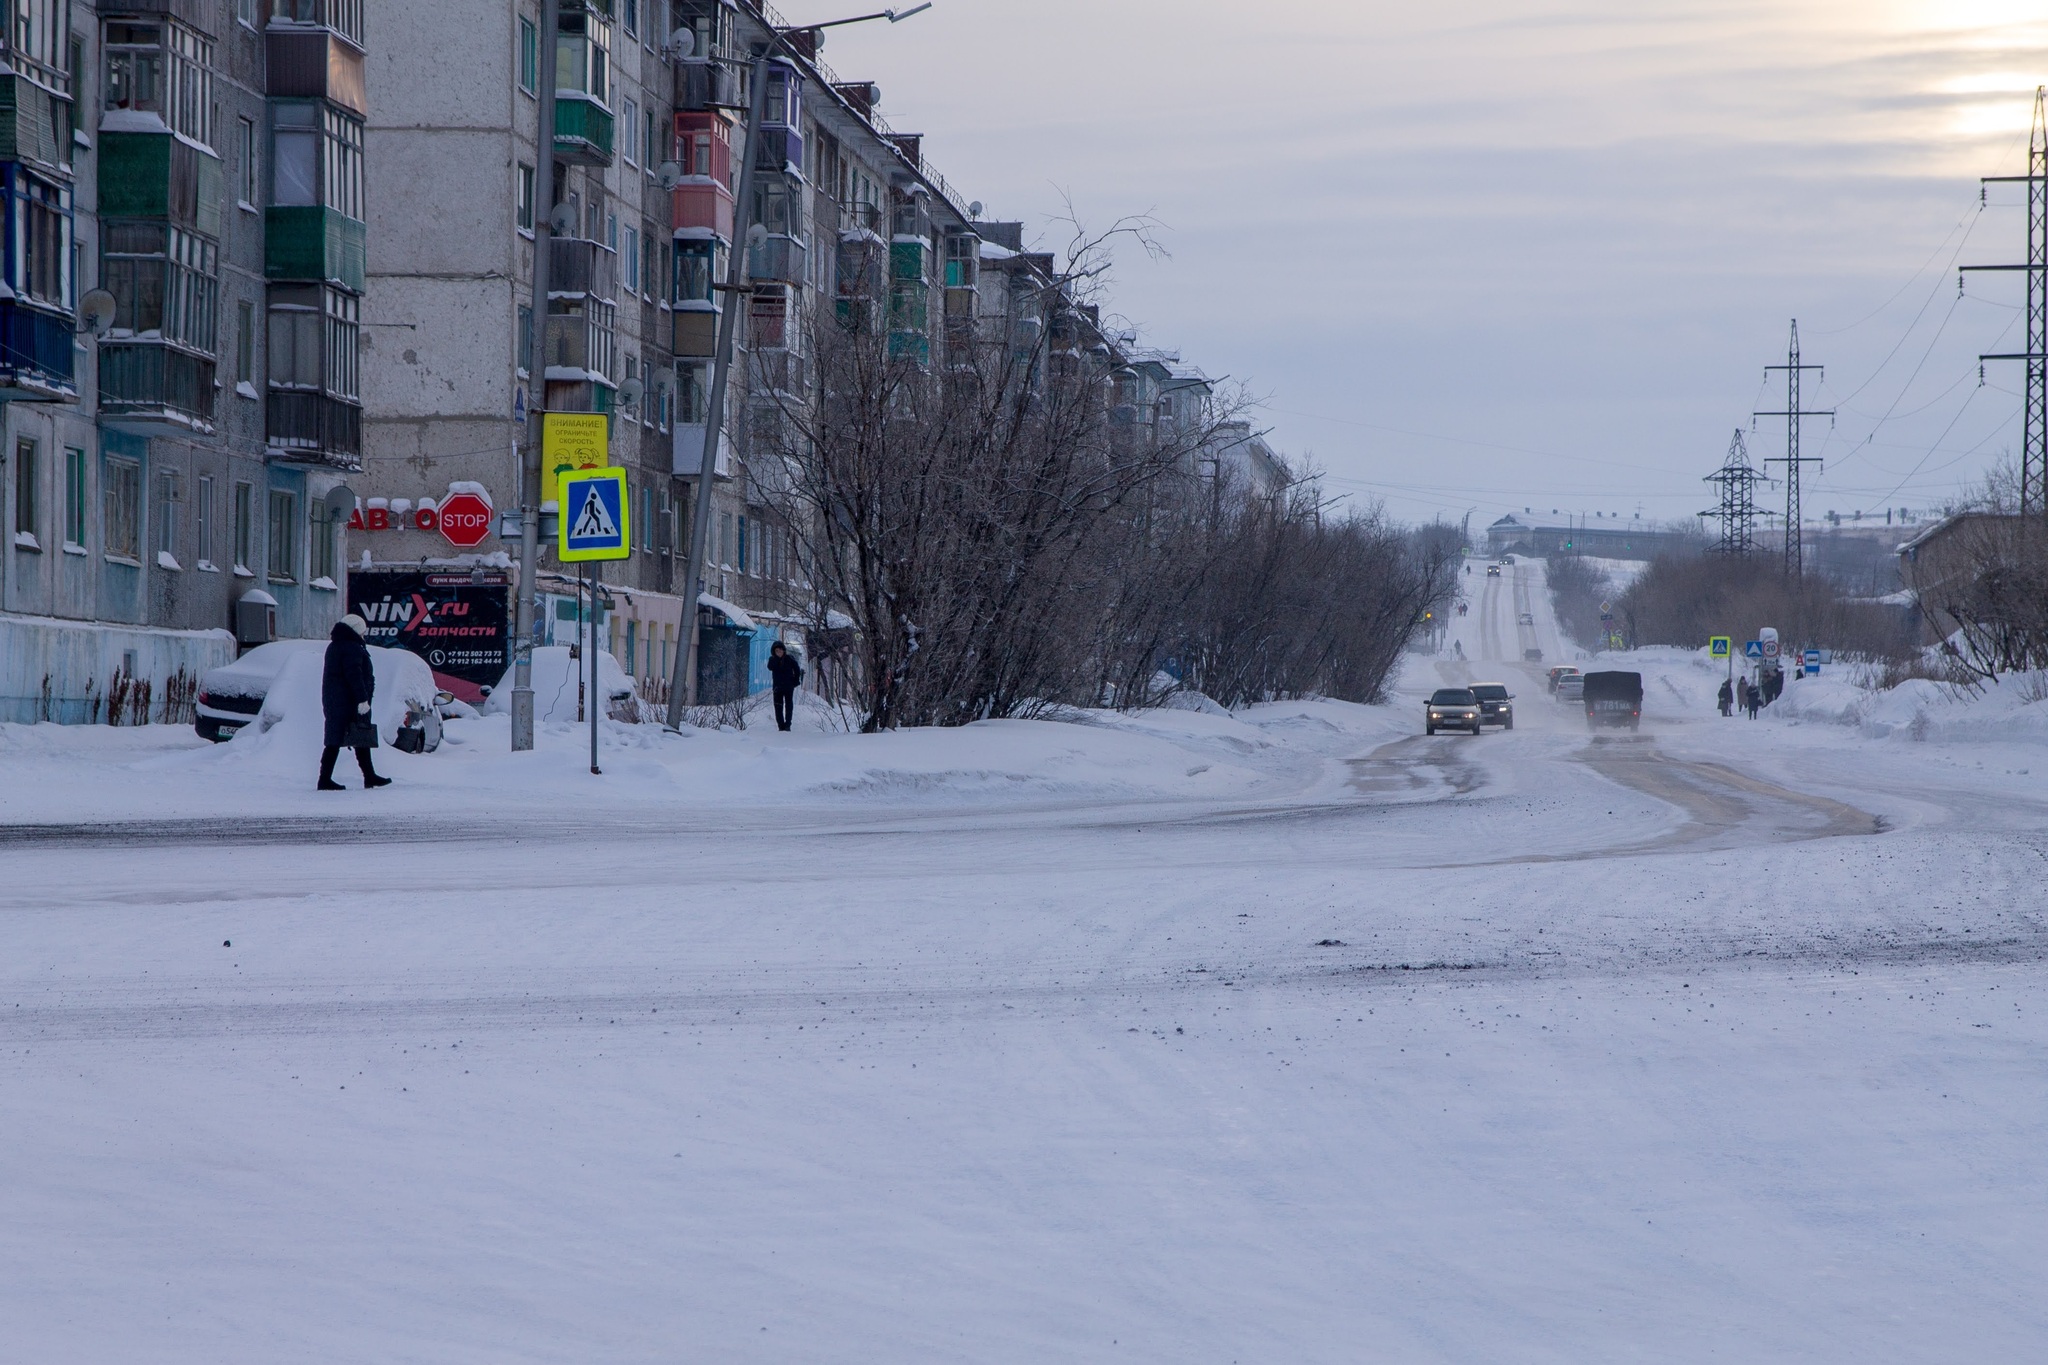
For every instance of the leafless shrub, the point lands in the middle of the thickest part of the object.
(1685, 601)
(1577, 589)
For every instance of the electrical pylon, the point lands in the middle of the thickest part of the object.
(1737, 512)
(1795, 537)
(2034, 422)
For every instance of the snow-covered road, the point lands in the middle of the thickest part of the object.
(1296, 1036)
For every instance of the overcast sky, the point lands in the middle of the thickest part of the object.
(1524, 255)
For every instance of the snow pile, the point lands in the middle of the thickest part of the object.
(1919, 709)
(557, 682)
(292, 724)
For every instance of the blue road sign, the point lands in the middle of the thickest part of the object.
(1752, 649)
(595, 507)
(1812, 661)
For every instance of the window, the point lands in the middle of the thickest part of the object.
(245, 13)
(647, 516)
(245, 146)
(42, 247)
(37, 31)
(650, 264)
(629, 132)
(164, 280)
(630, 259)
(582, 58)
(326, 547)
(284, 536)
(725, 538)
(525, 339)
(742, 562)
(167, 500)
(27, 483)
(121, 535)
(529, 57)
(698, 260)
(203, 522)
(314, 339)
(525, 216)
(245, 525)
(630, 669)
(651, 140)
(245, 342)
(316, 157)
(633, 18)
(164, 69)
(74, 497)
(693, 388)
(611, 232)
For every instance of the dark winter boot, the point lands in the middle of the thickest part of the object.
(370, 778)
(327, 782)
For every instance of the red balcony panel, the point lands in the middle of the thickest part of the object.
(703, 206)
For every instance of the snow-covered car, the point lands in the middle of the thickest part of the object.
(230, 696)
(1451, 708)
(284, 686)
(558, 683)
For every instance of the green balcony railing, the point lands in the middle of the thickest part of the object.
(155, 175)
(583, 131)
(302, 242)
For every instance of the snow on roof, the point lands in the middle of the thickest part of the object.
(732, 613)
(995, 251)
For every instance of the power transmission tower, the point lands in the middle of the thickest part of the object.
(2034, 429)
(1795, 537)
(1737, 512)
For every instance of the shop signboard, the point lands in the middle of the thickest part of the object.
(458, 620)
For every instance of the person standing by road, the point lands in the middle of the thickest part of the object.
(1753, 696)
(784, 673)
(347, 683)
(1727, 698)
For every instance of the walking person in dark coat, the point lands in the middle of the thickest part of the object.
(347, 684)
(784, 672)
(1754, 700)
(1727, 698)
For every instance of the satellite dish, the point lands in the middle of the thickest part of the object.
(629, 394)
(96, 312)
(682, 44)
(756, 234)
(562, 222)
(341, 501)
(974, 209)
(671, 174)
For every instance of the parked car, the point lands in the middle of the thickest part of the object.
(1558, 673)
(275, 681)
(1496, 704)
(1569, 686)
(1451, 708)
(1613, 698)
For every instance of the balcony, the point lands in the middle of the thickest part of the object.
(907, 259)
(308, 242)
(151, 389)
(314, 428)
(35, 126)
(707, 85)
(36, 355)
(156, 175)
(703, 205)
(579, 266)
(583, 130)
(344, 17)
(315, 63)
(772, 259)
(695, 329)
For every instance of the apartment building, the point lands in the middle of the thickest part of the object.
(193, 169)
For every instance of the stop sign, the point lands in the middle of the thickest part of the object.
(465, 520)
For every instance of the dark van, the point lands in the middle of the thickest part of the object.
(1613, 699)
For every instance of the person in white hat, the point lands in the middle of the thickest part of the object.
(347, 684)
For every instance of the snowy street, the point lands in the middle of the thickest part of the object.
(1286, 1036)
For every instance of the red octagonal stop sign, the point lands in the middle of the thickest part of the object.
(465, 519)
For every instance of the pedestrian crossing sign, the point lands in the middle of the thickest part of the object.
(1717, 648)
(594, 516)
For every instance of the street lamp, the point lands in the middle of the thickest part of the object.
(682, 690)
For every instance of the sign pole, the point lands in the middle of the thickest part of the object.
(595, 569)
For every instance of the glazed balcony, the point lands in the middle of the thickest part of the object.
(309, 242)
(343, 17)
(578, 266)
(583, 130)
(157, 175)
(36, 355)
(35, 126)
(315, 63)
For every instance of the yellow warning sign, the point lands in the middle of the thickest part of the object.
(570, 441)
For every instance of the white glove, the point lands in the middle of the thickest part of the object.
(362, 708)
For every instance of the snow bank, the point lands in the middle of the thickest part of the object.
(292, 724)
(1921, 710)
(555, 679)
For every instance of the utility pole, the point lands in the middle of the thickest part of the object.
(2034, 422)
(1795, 537)
(1737, 512)
(536, 388)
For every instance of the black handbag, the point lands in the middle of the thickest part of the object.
(410, 739)
(361, 734)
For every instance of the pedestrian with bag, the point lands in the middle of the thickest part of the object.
(347, 684)
(784, 673)
(1727, 698)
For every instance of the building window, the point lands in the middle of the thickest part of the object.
(167, 515)
(203, 522)
(743, 544)
(245, 146)
(725, 539)
(283, 558)
(693, 388)
(611, 232)
(316, 157)
(164, 279)
(650, 263)
(632, 18)
(326, 549)
(651, 141)
(629, 132)
(245, 342)
(27, 483)
(74, 497)
(164, 69)
(583, 57)
(525, 339)
(665, 405)
(698, 260)
(314, 339)
(647, 516)
(245, 12)
(245, 525)
(529, 56)
(630, 259)
(343, 16)
(41, 246)
(121, 534)
(525, 214)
